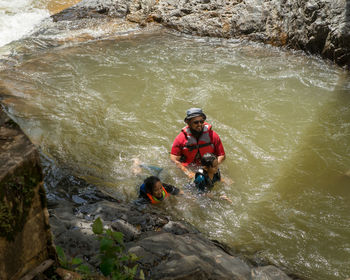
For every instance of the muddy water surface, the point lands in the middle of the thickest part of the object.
(284, 119)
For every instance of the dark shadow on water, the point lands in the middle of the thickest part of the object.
(313, 181)
(329, 134)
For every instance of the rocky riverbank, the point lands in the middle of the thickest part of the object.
(25, 237)
(167, 249)
(317, 27)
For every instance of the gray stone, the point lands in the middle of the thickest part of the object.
(268, 273)
(175, 228)
(319, 27)
(25, 237)
(187, 256)
(129, 231)
(78, 200)
(166, 249)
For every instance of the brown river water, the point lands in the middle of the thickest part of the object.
(283, 117)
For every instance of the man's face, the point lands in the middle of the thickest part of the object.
(196, 123)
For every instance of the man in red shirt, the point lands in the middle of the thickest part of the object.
(195, 140)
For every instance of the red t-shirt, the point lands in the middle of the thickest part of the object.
(181, 140)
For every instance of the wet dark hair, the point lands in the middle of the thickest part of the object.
(208, 159)
(150, 182)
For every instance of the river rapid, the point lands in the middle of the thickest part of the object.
(283, 117)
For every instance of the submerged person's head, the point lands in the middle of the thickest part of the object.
(154, 186)
(210, 162)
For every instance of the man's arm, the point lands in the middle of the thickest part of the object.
(175, 154)
(176, 160)
(221, 159)
(219, 148)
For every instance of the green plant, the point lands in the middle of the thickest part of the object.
(115, 261)
(74, 264)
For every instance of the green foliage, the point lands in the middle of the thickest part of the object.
(97, 226)
(115, 261)
(74, 264)
(16, 197)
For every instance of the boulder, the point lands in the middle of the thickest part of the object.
(317, 27)
(167, 249)
(25, 237)
(268, 272)
(186, 256)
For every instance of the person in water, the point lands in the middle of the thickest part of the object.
(154, 191)
(208, 174)
(195, 140)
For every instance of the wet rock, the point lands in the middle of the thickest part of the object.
(268, 273)
(320, 27)
(78, 200)
(175, 228)
(147, 221)
(187, 256)
(25, 237)
(129, 231)
(167, 249)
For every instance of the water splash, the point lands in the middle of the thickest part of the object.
(18, 18)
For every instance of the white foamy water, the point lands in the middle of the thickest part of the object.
(17, 18)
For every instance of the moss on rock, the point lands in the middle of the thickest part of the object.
(16, 197)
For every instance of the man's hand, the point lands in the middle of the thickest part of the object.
(227, 180)
(190, 174)
(176, 160)
(221, 159)
(224, 197)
